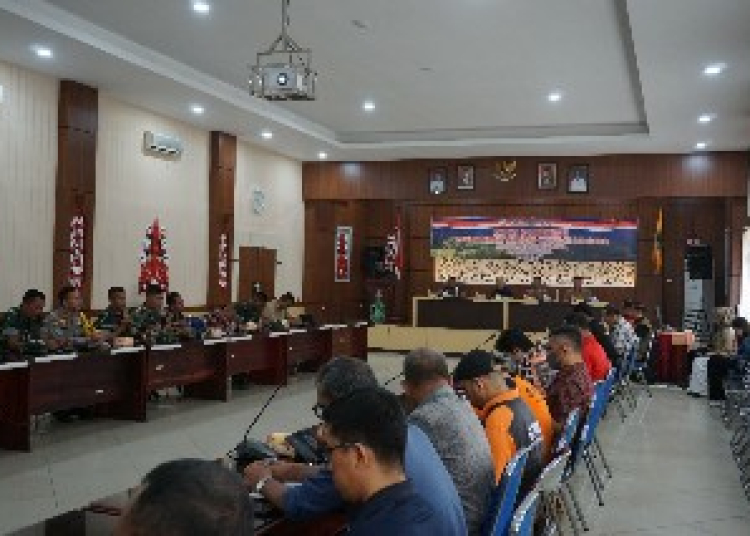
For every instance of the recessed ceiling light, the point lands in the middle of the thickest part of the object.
(201, 7)
(368, 106)
(555, 96)
(322, 155)
(705, 118)
(197, 109)
(266, 134)
(43, 52)
(701, 145)
(714, 69)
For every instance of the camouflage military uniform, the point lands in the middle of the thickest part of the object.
(150, 325)
(110, 321)
(247, 312)
(31, 332)
(179, 325)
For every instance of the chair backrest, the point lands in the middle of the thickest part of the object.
(612, 378)
(525, 515)
(568, 434)
(596, 409)
(552, 474)
(503, 498)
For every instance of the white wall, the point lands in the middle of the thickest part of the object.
(281, 226)
(28, 160)
(133, 188)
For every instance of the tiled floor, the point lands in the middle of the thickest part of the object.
(672, 470)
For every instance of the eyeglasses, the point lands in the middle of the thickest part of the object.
(318, 410)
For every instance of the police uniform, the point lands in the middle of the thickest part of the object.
(30, 331)
(178, 325)
(66, 326)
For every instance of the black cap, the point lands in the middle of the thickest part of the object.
(473, 365)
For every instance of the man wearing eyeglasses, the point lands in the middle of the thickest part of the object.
(365, 436)
(317, 494)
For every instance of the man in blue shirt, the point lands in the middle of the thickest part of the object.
(365, 437)
(316, 494)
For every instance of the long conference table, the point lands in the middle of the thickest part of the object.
(118, 382)
(531, 316)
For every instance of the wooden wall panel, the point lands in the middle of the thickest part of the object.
(75, 189)
(221, 182)
(611, 176)
(701, 196)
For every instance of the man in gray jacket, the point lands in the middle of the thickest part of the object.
(453, 428)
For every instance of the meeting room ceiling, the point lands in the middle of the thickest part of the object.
(447, 78)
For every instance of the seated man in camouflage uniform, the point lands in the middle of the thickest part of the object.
(249, 311)
(23, 329)
(149, 320)
(116, 320)
(67, 327)
(177, 323)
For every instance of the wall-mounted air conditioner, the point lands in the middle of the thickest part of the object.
(162, 144)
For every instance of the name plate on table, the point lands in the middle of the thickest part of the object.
(55, 357)
(14, 365)
(292, 331)
(211, 342)
(165, 347)
(277, 334)
(360, 324)
(333, 326)
(240, 338)
(128, 350)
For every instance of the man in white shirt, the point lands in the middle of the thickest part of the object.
(620, 331)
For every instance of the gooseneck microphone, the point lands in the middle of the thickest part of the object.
(248, 451)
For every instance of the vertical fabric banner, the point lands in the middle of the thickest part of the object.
(394, 256)
(343, 254)
(77, 273)
(154, 259)
(223, 261)
(657, 251)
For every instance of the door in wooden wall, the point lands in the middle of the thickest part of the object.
(257, 265)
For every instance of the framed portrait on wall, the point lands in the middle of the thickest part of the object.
(465, 177)
(578, 179)
(546, 176)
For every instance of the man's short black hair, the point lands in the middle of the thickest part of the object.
(172, 297)
(585, 308)
(374, 418)
(423, 365)
(579, 320)
(287, 297)
(570, 333)
(513, 339)
(740, 323)
(114, 290)
(64, 292)
(33, 294)
(187, 497)
(612, 310)
(152, 289)
(340, 377)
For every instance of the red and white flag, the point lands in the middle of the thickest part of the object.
(394, 255)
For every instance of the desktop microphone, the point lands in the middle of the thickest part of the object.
(248, 451)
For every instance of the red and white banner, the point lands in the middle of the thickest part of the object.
(394, 254)
(343, 254)
(77, 246)
(223, 261)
